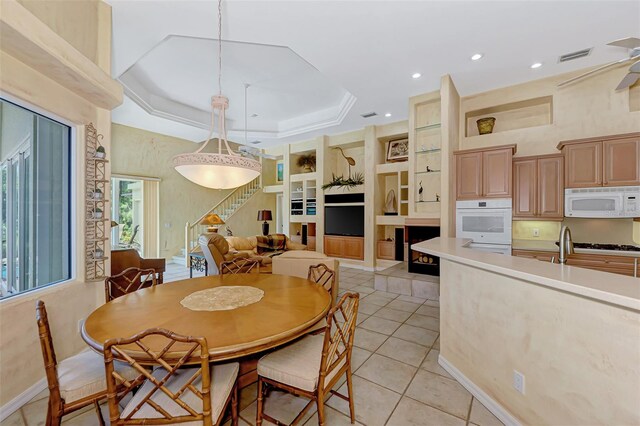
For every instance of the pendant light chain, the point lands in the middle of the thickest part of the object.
(220, 47)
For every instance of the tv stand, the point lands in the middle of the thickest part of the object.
(344, 247)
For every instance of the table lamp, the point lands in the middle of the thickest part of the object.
(265, 215)
(213, 221)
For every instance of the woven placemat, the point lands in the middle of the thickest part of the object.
(222, 298)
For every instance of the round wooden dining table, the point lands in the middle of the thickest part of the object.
(289, 308)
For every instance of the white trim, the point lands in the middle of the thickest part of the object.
(21, 400)
(134, 177)
(496, 409)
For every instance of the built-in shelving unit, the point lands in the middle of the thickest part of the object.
(425, 141)
(303, 197)
(97, 224)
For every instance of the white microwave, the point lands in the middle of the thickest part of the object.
(602, 202)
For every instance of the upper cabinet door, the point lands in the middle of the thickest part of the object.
(469, 176)
(622, 162)
(497, 173)
(551, 187)
(524, 188)
(583, 163)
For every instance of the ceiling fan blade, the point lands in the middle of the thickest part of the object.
(593, 71)
(635, 67)
(628, 43)
(628, 80)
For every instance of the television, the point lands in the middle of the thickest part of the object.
(344, 220)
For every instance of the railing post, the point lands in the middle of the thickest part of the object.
(187, 243)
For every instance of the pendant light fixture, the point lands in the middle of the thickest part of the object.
(218, 170)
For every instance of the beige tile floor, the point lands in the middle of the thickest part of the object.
(397, 378)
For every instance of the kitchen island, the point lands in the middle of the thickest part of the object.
(573, 333)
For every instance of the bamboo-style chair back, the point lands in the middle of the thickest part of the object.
(128, 281)
(323, 275)
(243, 265)
(190, 346)
(48, 352)
(339, 334)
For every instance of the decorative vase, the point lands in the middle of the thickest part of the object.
(97, 214)
(97, 195)
(98, 254)
(307, 168)
(485, 125)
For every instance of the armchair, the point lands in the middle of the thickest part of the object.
(216, 250)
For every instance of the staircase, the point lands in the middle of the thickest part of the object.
(226, 208)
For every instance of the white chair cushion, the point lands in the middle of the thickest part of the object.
(83, 375)
(223, 377)
(297, 365)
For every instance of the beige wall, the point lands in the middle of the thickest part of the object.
(588, 108)
(75, 21)
(70, 302)
(579, 356)
(137, 152)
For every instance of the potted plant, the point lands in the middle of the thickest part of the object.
(97, 194)
(97, 213)
(307, 163)
(100, 152)
(98, 253)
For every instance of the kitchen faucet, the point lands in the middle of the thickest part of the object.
(566, 245)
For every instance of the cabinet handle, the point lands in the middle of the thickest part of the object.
(635, 267)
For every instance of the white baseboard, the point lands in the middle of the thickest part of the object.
(16, 403)
(496, 409)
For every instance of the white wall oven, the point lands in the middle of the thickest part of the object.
(485, 222)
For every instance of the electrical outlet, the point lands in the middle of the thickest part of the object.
(536, 232)
(518, 381)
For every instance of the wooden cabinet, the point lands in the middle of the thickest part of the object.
(544, 256)
(584, 165)
(621, 161)
(345, 247)
(496, 173)
(538, 187)
(606, 161)
(469, 176)
(624, 265)
(525, 187)
(386, 250)
(484, 173)
(551, 187)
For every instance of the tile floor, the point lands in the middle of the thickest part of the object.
(397, 378)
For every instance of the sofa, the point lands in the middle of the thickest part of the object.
(249, 246)
(296, 263)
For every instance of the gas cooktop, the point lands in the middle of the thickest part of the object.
(614, 247)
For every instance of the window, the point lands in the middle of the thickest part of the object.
(35, 158)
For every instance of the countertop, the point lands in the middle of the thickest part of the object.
(614, 289)
(542, 245)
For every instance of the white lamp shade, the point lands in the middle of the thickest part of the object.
(218, 171)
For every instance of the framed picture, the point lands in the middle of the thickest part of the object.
(398, 150)
(279, 171)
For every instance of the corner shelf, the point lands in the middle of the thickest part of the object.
(428, 172)
(428, 127)
(96, 230)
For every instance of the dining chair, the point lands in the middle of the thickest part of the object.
(128, 281)
(311, 366)
(322, 275)
(75, 382)
(173, 392)
(240, 266)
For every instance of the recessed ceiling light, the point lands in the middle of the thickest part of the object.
(536, 65)
(476, 56)
(416, 75)
(388, 114)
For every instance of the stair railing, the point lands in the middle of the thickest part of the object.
(225, 209)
